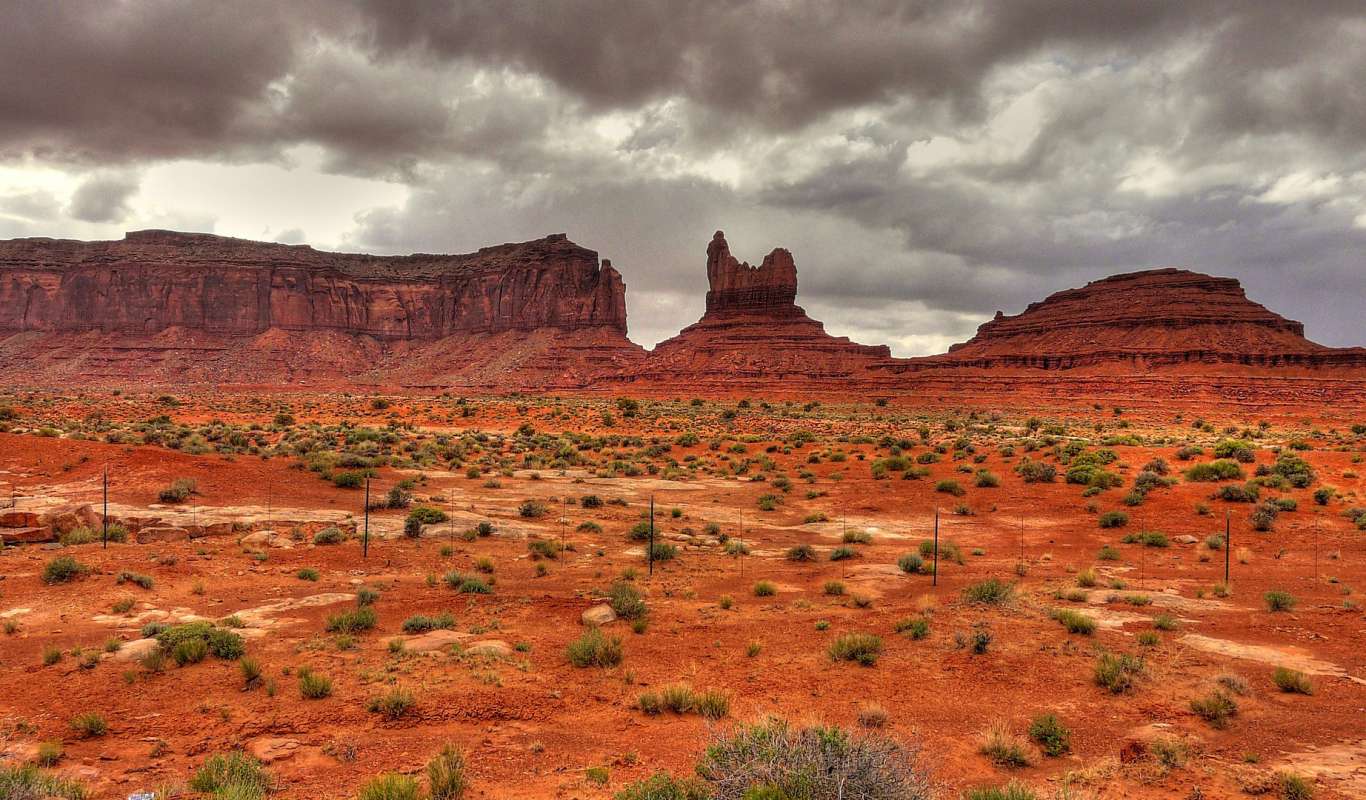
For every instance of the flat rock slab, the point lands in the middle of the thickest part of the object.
(490, 647)
(264, 616)
(268, 749)
(162, 533)
(27, 535)
(135, 650)
(1292, 657)
(1343, 764)
(433, 641)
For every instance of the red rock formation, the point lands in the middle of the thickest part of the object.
(179, 306)
(754, 333)
(1161, 317)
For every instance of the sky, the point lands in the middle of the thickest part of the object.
(927, 162)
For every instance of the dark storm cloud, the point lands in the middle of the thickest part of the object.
(927, 162)
(103, 198)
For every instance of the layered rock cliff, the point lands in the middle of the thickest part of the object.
(160, 304)
(1155, 318)
(753, 332)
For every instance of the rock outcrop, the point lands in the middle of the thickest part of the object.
(1155, 318)
(754, 333)
(184, 306)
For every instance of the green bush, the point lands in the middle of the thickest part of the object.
(801, 552)
(626, 601)
(771, 760)
(330, 535)
(357, 620)
(1010, 791)
(1117, 671)
(950, 487)
(27, 782)
(1048, 732)
(1215, 708)
(1075, 621)
(1222, 470)
(89, 725)
(861, 647)
(1113, 519)
(1292, 681)
(313, 686)
(392, 704)
(1277, 600)
(595, 649)
(992, 591)
(62, 569)
(221, 642)
(446, 778)
(665, 787)
(232, 775)
(390, 786)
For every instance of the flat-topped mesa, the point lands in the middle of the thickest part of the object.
(169, 307)
(154, 280)
(735, 286)
(1151, 318)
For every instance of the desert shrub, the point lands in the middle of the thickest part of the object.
(950, 487)
(62, 569)
(1036, 471)
(1113, 519)
(251, 672)
(222, 642)
(1010, 791)
(532, 509)
(357, 620)
(1165, 622)
(765, 589)
(917, 627)
(1292, 681)
(1107, 553)
(390, 786)
(1277, 600)
(544, 548)
(446, 777)
(911, 563)
(366, 596)
(189, 651)
(1004, 748)
(1294, 787)
(665, 787)
(856, 537)
(313, 686)
(861, 647)
(662, 551)
(1117, 671)
(1048, 732)
(329, 535)
(1075, 621)
(992, 591)
(771, 759)
(1295, 470)
(595, 649)
(1222, 470)
(392, 704)
(179, 491)
(1236, 449)
(89, 725)
(626, 601)
(467, 584)
(987, 479)
(801, 552)
(843, 552)
(27, 782)
(712, 704)
(1215, 708)
(231, 776)
(421, 623)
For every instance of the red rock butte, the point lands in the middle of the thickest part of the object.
(754, 332)
(167, 308)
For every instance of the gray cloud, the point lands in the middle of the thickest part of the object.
(103, 198)
(927, 162)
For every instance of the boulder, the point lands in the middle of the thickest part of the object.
(269, 748)
(490, 647)
(135, 650)
(70, 517)
(27, 535)
(433, 641)
(600, 614)
(19, 519)
(1185, 538)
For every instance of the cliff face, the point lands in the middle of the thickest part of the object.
(1159, 317)
(177, 306)
(154, 280)
(753, 331)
